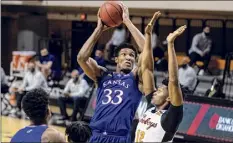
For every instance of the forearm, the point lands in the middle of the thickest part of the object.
(147, 67)
(207, 50)
(137, 35)
(88, 46)
(175, 93)
(172, 63)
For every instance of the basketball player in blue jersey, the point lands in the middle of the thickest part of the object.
(118, 93)
(158, 124)
(36, 106)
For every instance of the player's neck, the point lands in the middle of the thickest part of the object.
(34, 124)
(163, 106)
(118, 70)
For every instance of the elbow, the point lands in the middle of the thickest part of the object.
(81, 58)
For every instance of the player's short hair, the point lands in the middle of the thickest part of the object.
(78, 131)
(123, 46)
(35, 105)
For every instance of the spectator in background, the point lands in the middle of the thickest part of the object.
(99, 55)
(48, 65)
(161, 63)
(75, 91)
(156, 46)
(33, 79)
(200, 49)
(55, 47)
(187, 75)
(4, 86)
(118, 37)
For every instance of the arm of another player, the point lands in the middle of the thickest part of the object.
(174, 90)
(84, 54)
(146, 69)
(137, 35)
(52, 135)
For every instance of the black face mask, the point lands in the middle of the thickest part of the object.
(184, 66)
(32, 70)
(75, 79)
(207, 34)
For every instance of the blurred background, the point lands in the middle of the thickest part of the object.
(51, 33)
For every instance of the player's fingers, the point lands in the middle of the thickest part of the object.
(123, 6)
(180, 30)
(155, 17)
(98, 13)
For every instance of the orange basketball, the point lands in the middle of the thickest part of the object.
(111, 13)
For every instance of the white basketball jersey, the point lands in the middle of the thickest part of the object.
(149, 128)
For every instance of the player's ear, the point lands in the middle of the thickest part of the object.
(116, 59)
(49, 114)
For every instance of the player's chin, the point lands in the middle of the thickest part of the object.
(153, 102)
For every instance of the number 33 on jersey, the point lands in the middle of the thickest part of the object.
(109, 99)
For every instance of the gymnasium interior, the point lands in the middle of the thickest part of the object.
(62, 27)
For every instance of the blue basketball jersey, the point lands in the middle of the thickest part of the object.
(118, 97)
(29, 134)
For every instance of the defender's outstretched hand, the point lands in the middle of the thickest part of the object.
(172, 36)
(100, 24)
(150, 25)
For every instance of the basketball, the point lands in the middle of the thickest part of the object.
(111, 13)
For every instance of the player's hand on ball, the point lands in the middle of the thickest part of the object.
(100, 24)
(150, 25)
(125, 15)
(172, 36)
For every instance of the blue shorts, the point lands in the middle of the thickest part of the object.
(103, 137)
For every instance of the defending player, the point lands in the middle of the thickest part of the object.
(36, 106)
(157, 124)
(118, 94)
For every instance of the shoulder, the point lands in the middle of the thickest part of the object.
(52, 135)
(197, 36)
(83, 81)
(51, 57)
(191, 71)
(40, 74)
(17, 135)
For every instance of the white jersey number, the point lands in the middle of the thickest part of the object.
(108, 92)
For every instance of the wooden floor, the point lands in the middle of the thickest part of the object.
(10, 125)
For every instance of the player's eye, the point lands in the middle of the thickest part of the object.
(132, 55)
(124, 54)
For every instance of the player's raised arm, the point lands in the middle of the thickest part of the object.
(146, 58)
(137, 35)
(175, 93)
(91, 68)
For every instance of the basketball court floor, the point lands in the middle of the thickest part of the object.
(10, 125)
